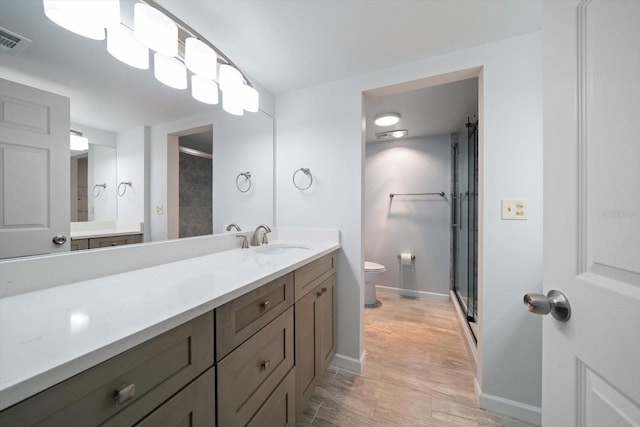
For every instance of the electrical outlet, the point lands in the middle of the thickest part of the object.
(159, 209)
(514, 209)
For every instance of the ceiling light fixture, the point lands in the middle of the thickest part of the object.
(157, 29)
(387, 119)
(398, 133)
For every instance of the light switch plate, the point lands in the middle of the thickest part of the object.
(514, 209)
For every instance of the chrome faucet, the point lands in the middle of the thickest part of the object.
(230, 226)
(256, 235)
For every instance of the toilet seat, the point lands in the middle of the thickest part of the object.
(373, 267)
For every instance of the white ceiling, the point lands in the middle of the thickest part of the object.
(283, 44)
(287, 44)
(435, 110)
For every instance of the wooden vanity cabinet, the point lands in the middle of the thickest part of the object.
(315, 310)
(105, 242)
(315, 338)
(271, 346)
(127, 388)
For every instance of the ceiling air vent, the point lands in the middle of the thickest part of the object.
(12, 43)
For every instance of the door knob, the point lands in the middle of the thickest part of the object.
(59, 239)
(555, 302)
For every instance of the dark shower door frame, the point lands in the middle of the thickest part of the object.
(464, 222)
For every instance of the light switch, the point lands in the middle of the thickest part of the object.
(514, 209)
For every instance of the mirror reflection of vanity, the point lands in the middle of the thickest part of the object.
(142, 119)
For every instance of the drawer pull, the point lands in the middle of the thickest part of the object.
(264, 305)
(319, 294)
(324, 289)
(265, 364)
(114, 244)
(125, 394)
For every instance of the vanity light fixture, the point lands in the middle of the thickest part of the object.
(232, 100)
(204, 90)
(200, 58)
(157, 29)
(87, 18)
(78, 142)
(398, 133)
(387, 119)
(125, 47)
(170, 71)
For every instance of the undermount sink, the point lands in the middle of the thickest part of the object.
(282, 249)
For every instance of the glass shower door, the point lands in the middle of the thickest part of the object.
(465, 221)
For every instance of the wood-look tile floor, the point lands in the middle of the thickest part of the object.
(417, 373)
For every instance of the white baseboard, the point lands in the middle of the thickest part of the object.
(413, 294)
(511, 408)
(349, 363)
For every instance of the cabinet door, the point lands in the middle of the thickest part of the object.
(307, 315)
(279, 409)
(327, 311)
(194, 406)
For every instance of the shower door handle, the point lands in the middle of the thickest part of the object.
(555, 302)
(460, 211)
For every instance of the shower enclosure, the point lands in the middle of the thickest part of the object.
(464, 221)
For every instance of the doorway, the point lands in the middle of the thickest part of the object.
(195, 185)
(190, 182)
(421, 221)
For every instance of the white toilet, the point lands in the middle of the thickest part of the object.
(372, 273)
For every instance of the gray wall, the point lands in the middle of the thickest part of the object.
(416, 224)
(196, 196)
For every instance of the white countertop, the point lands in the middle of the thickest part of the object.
(49, 335)
(93, 229)
(91, 234)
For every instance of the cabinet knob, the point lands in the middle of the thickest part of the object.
(124, 394)
(264, 304)
(324, 289)
(265, 364)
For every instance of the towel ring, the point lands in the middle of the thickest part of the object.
(124, 191)
(247, 178)
(97, 187)
(307, 172)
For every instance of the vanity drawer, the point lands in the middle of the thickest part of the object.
(239, 319)
(156, 368)
(309, 276)
(194, 405)
(249, 374)
(280, 408)
(105, 242)
(79, 244)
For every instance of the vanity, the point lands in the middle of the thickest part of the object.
(234, 337)
(102, 234)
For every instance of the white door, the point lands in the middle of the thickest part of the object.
(591, 364)
(34, 171)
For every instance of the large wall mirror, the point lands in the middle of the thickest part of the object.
(134, 124)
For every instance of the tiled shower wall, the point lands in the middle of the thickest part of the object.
(195, 196)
